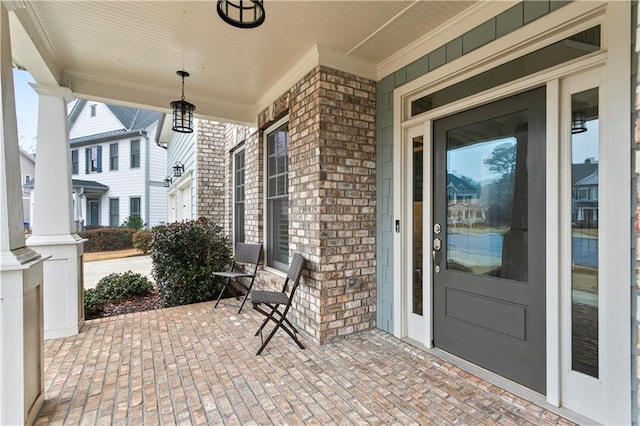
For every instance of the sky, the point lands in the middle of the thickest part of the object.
(26, 110)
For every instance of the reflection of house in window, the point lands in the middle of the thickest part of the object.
(463, 198)
(460, 189)
(584, 212)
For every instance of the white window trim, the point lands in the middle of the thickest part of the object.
(235, 152)
(265, 182)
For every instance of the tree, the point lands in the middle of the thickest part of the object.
(502, 160)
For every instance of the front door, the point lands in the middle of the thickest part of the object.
(488, 237)
(94, 212)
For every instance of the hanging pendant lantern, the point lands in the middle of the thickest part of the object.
(182, 111)
(167, 181)
(242, 13)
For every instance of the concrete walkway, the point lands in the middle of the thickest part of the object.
(94, 271)
(196, 365)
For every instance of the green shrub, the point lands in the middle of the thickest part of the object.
(93, 302)
(142, 240)
(184, 254)
(107, 239)
(133, 222)
(120, 286)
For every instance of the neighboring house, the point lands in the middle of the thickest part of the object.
(202, 189)
(117, 168)
(585, 194)
(27, 173)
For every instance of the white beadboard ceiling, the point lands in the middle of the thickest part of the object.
(129, 51)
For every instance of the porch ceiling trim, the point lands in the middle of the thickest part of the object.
(479, 12)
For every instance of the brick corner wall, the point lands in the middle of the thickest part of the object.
(210, 179)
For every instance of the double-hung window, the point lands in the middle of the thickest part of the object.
(238, 196)
(134, 206)
(113, 156)
(277, 196)
(135, 153)
(75, 169)
(93, 159)
(114, 212)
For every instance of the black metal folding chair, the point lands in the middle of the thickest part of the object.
(248, 254)
(274, 299)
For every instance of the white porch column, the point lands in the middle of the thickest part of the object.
(21, 270)
(53, 223)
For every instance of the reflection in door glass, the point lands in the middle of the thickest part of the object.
(584, 232)
(487, 197)
(418, 161)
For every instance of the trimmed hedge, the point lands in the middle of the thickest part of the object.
(107, 239)
(184, 254)
(142, 240)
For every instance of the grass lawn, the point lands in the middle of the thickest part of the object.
(116, 254)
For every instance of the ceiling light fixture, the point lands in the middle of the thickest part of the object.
(242, 13)
(182, 111)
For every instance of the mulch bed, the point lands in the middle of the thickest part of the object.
(130, 305)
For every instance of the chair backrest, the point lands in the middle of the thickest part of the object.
(248, 253)
(295, 271)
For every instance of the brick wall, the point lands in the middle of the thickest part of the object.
(332, 200)
(211, 171)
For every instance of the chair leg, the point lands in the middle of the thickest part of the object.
(226, 283)
(246, 296)
(280, 323)
(286, 329)
(269, 316)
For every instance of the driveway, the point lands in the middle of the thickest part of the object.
(94, 271)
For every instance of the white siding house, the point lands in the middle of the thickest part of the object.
(27, 173)
(117, 168)
(181, 197)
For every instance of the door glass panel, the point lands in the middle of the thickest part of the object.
(487, 197)
(584, 232)
(418, 161)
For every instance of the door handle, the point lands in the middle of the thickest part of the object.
(437, 245)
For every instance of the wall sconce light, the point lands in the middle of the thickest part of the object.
(167, 181)
(178, 168)
(579, 122)
(182, 111)
(242, 13)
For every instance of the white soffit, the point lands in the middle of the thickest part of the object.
(129, 51)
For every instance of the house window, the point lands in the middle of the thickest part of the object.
(74, 162)
(93, 110)
(238, 197)
(114, 212)
(134, 206)
(93, 157)
(135, 154)
(26, 178)
(113, 156)
(277, 203)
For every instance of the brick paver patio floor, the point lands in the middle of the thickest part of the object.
(194, 365)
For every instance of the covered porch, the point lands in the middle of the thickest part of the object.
(196, 365)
